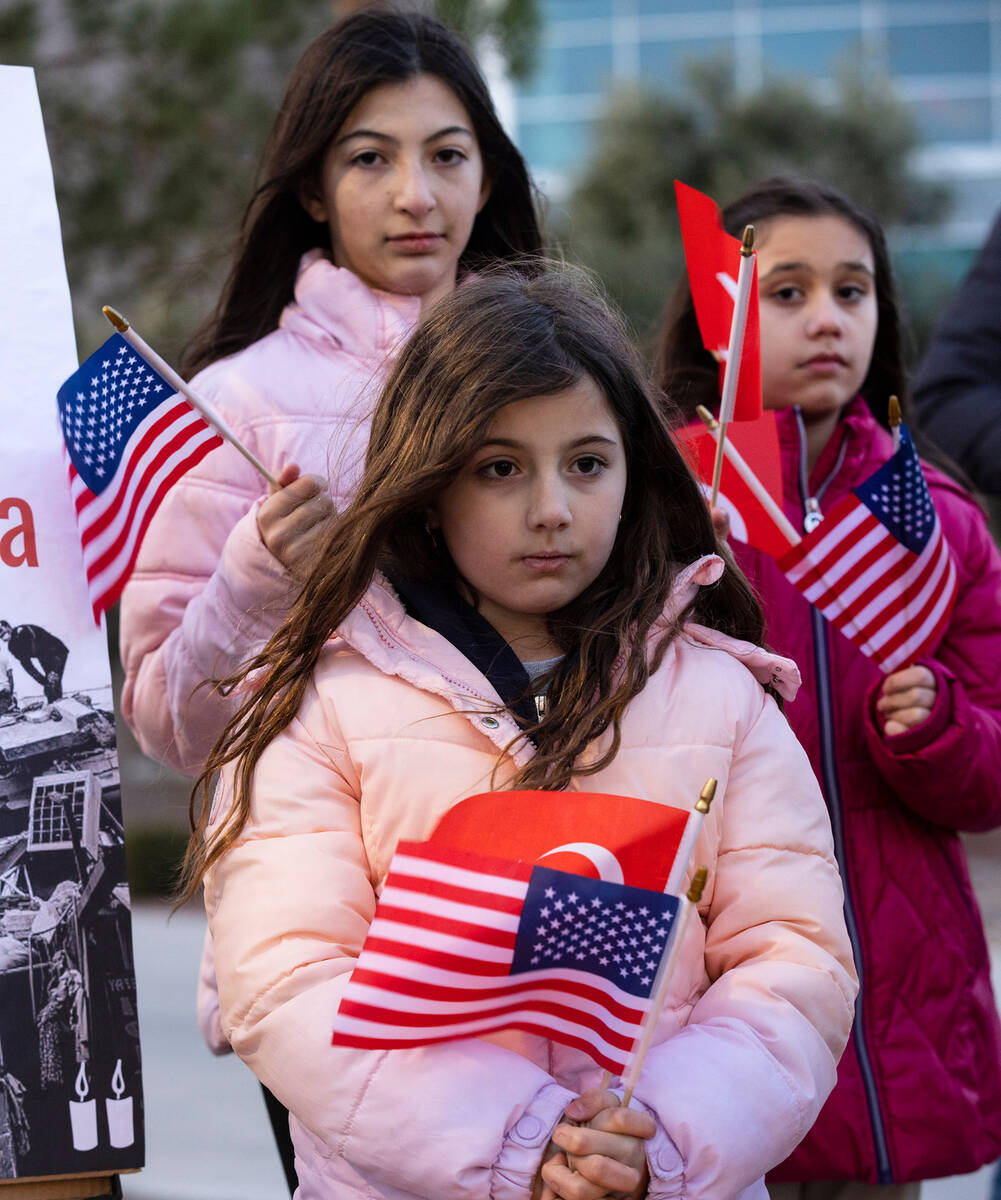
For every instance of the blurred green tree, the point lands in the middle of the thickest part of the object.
(156, 112)
(621, 219)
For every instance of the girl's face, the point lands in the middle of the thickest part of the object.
(817, 291)
(531, 520)
(400, 188)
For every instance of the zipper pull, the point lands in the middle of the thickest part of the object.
(541, 704)
(813, 516)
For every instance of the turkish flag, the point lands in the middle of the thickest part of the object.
(713, 260)
(758, 444)
(616, 838)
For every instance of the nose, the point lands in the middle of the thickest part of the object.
(824, 317)
(414, 194)
(549, 506)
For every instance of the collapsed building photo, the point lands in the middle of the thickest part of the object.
(70, 1086)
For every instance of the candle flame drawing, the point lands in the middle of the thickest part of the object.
(81, 1086)
(118, 1081)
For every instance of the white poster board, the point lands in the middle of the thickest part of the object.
(70, 1087)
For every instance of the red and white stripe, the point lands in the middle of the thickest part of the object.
(171, 439)
(893, 604)
(436, 966)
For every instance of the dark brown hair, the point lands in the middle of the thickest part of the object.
(690, 374)
(368, 48)
(497, 339)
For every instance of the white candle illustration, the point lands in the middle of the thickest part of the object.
(83, 1114)
(120, 1128)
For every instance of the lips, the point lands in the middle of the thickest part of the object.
(546, 561)
(421, 239)
(825, 360)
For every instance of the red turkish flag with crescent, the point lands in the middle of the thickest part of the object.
(758, 444)
(616, 838)
(713, 259)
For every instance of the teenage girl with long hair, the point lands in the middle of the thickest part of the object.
(524, 527)
(906, 760)
(386, 180)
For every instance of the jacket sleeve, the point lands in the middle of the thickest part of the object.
(740, 1085)
(957, 386)
(205, 594)
(946, 769)
(289, 907)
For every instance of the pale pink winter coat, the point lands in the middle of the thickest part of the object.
(206, 593)
(390, 735)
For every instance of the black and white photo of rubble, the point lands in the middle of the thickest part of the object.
(70, 1084)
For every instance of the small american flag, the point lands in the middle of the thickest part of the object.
(463, 945)
(878, 566)
(129, 436)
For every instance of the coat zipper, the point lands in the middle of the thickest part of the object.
(832, 787)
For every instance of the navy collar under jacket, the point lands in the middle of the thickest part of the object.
(442, 609)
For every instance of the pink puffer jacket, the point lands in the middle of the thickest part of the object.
(391, 734)
(919, 1087)
(206, 593)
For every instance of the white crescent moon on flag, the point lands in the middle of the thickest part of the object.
(604, 861)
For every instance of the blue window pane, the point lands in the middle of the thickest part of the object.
(954, 118)
(817, 53)
(662, 61)
(657, 8)
(814, 5)
(571, 70)
(566, 10)
(958, 48)
(555, 145)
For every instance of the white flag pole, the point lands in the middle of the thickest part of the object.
(745, 280)
(689, 837)
(665, 970)
(740, 465)
(177, 382)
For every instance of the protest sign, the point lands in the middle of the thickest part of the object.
(70, 1086)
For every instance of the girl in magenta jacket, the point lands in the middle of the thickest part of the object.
(525, 592)
(387, 178)
(906, 760)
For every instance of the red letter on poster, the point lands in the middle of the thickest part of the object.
(25, 531)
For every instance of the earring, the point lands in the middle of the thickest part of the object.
(432, 538)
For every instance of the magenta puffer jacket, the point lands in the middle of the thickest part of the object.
(206, 592)
(919, 1087)
(396, 727)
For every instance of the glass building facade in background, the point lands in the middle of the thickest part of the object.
(944, 59)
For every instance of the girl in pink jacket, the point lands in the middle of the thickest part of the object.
(526, 592)
(387, 178)
(906, 760)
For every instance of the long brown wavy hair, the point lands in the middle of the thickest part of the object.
(362, 51)
(499, 338)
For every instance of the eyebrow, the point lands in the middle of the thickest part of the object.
(448, 131)
(588, 439)
(851, 265)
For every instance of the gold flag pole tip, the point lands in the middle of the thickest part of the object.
(895, 416)
(694, 894)
(115, 318)
(706, 796)
(747, 241)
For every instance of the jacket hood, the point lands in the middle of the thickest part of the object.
(333, 307)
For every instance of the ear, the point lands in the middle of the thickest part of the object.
(313, 202)
(485, 188)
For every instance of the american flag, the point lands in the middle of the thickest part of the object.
(129, 436)
(462, 944)
(878, 566)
